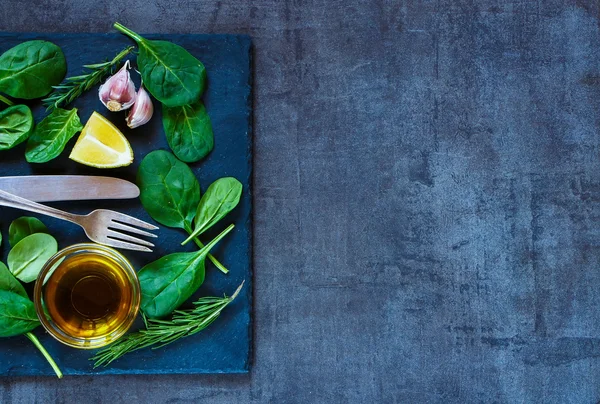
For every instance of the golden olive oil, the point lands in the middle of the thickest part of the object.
(88, 295)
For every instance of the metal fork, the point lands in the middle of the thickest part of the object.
(101, 225)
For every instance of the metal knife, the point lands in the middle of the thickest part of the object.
(48, 188)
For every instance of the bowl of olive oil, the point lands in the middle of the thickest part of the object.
(87, 296)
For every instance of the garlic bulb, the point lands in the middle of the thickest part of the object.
(142, 109)
(118, 92)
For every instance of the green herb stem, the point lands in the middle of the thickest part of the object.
(218, 238)
(6, 101)
(124, 30)
(212, 259)
(159, 333)
(39, 346)
(72, 87)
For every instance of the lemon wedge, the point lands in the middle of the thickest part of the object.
(101, 145)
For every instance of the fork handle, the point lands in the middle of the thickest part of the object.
(14, 201)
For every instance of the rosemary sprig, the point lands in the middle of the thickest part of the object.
(73, 87)
(159, 333)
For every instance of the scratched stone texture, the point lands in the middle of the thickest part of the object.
(427, 200)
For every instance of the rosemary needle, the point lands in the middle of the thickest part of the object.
(159, 333)
(73, 87)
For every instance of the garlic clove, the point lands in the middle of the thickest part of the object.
(118, 92)
(142, 109)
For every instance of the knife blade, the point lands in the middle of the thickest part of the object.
(49, 188)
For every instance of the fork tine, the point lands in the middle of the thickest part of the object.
(111, 234)
(126, 219)
(127, 246)
(130, 229)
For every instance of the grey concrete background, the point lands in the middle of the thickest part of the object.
(427, 200)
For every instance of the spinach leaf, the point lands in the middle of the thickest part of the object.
(9, 283)
(17, 314)
(170, 193)
(16, 123)
(51, 135)
(23, 227)
(30, 69)
(188, 131)
(219, 199)
(28, 256)
(169, 190)
(169, 281)
(171, 74)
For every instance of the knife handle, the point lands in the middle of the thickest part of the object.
(14, 201)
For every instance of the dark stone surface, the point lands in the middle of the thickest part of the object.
(426, 200)
(226, 347)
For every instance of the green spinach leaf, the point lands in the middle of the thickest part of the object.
(170, 193)
(17, 314)
(169, 281)
(9, 283)
(51, 135)
(169, 190)
(30, 69)
(28, 256)
(219, 199)
(171, 74)
(16, 123)
(23, 227)
(188, 131)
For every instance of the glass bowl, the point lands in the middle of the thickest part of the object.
(87, 295)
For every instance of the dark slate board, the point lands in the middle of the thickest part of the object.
(225, 346)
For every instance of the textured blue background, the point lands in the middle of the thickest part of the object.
(426, 200)
(225, 346)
